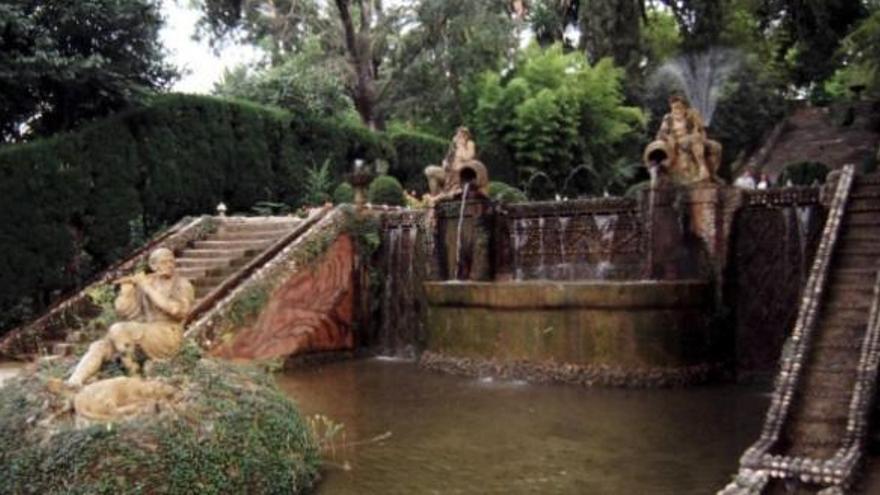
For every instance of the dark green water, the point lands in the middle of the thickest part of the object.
(453, 435)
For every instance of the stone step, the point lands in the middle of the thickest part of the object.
(861, 218)
(250, 236)
(208, 281)
(258, 225)
(860, 242)
(232, 245)
(847, 301)
(863, 204)
(191, 273)
(215, 253)
(861, 276)
(206, 263)
(851, 259)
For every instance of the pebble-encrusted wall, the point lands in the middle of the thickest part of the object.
(774, 238)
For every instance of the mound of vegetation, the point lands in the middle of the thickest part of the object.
(231, 431)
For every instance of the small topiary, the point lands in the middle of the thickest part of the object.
(343, 193)
(386, 190)
(504, 193)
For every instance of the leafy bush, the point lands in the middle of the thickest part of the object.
(803, 173)
(386, 190)
(554, 112)
(504, 193)
(415, 151)
(343, 193)
(69, 202)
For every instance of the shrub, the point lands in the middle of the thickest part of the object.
(69, 202)
(386, 190)
(504, 193)
(343, 193)
(803, 173)
(415, 151)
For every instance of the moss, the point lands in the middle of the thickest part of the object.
(248, 304)
(232, 432)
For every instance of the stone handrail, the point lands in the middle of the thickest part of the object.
(788, 196)
(245, 271)
(592, 206)
(757, 463)
(22, 340)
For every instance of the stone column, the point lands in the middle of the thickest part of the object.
(473, 260)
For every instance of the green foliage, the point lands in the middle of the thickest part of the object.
(317, 184)
(343, 193)
(556, 112)
(300, 83)
(366, 232)
(415, 151)
(69, 201)
(248, 304)
(64, 63)
(386, 190)
(504, 193)
(804, 173)
(233, 432)
(750, 106)
(449, 44)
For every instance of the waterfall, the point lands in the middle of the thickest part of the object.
(519, 240)
(564, 266)
(542, 268)
(458, 233)
(803, 214)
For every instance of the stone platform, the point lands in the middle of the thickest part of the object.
(637, 333)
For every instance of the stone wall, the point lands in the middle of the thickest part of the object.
(773, 240)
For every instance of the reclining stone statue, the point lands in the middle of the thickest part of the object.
(152, 308)
(681, 148)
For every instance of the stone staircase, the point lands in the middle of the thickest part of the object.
(237, 241)
(817, 425)
(812, 132)
(208, 262)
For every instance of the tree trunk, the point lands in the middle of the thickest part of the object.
(359, 47)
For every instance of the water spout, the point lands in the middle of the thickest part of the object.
(702, 77)
(458, 233)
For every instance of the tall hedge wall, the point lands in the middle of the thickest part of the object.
(77, 202)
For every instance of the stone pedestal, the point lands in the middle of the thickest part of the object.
(471, 227)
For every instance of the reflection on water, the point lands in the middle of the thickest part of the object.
(457, 435)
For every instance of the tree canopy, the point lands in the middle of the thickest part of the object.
(65, 62)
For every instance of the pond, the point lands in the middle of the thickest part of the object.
(409, 430)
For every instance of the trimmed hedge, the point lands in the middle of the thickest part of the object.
(77, 202)
(386, 190)
(415, 151)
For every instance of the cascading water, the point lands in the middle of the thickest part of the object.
(803, 214)
(605, 225)
(519, 241)
(564, 266)
(542, 266)
(458, 233)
